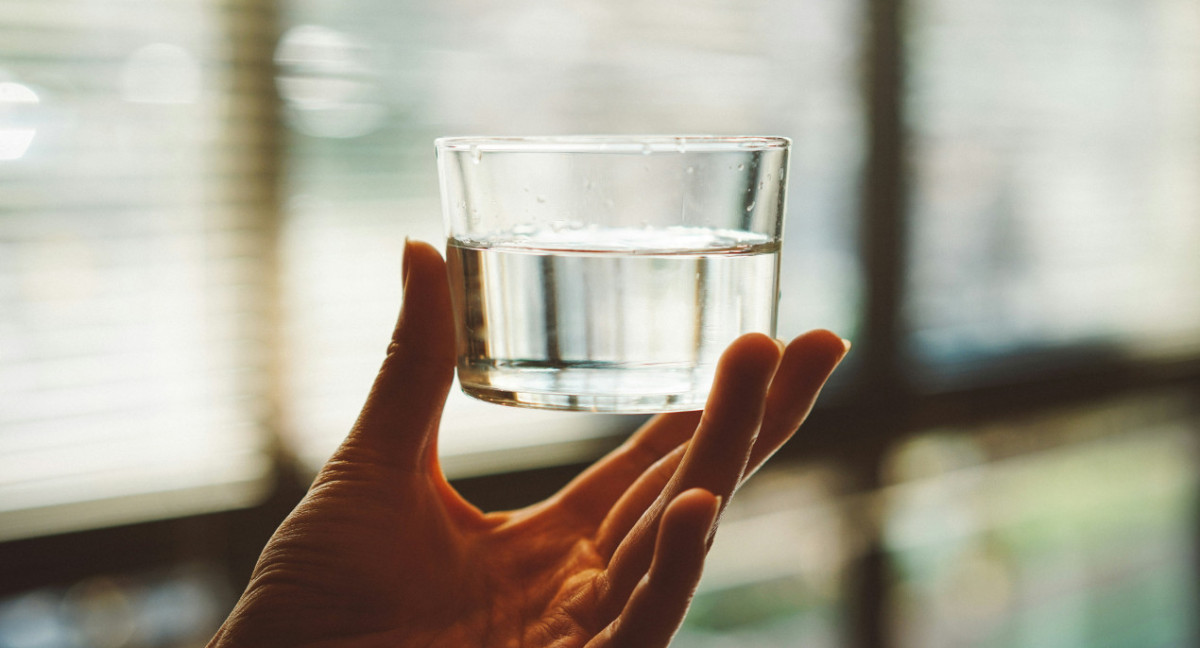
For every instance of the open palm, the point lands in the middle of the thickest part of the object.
(383, 552)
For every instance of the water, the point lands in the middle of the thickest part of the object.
(610, 320)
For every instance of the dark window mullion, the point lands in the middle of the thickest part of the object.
(882, 395)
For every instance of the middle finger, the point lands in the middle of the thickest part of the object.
(715, 458)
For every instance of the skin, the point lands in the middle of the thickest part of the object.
(383, 552)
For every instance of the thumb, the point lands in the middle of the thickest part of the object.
(398, 424)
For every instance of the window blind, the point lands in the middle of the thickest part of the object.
(135, 202)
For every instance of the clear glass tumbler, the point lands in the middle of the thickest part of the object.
(608, 274)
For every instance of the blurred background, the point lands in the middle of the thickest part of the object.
(203, 203)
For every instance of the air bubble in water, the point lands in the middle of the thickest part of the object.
(741, 167)
(750, 207)
(691, 169)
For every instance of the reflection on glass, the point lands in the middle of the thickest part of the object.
(369, 85)
(16, 127)
(1057, 147)
(1070, 530)
(328, 82)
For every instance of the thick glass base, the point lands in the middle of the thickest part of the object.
(615, 389)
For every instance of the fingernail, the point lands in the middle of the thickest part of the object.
(716, 513)
(846, 343)
(404, 264)
(712, 524)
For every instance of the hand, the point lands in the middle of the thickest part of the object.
(383, 552)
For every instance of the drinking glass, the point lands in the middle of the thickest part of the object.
(608, 273)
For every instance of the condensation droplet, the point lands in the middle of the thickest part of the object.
(691, 169)
(750, 207)
(541, 199)
(476, 155)
(741, 167)
(646, 150)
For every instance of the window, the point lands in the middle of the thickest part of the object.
(1055, 152)
(131, 301)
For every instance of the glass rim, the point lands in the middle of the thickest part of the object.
(612, 143)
